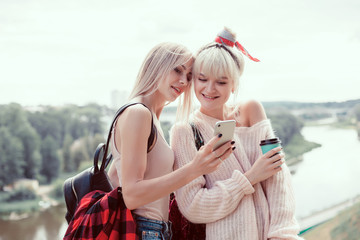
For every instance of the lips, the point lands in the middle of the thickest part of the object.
(177, 90)
(209, 97)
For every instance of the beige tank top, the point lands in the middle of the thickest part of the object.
(160, 161)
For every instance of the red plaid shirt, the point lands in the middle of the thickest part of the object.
(102, 215)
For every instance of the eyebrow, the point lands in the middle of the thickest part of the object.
(183, 67)
(221, 78)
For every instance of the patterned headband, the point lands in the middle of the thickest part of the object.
(227, 39)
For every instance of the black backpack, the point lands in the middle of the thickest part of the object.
(95, 178)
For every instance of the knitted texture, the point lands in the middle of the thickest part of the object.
(229, 205)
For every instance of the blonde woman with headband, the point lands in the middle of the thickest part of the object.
(143, 165)
(250, 195)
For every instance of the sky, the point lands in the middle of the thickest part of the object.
(76, 52)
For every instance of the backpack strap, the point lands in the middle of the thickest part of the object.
(152, 137)
(199, 141)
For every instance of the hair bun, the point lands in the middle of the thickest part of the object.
(227, 34)
(227, 37)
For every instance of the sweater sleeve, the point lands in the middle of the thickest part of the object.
(197, 203)
(280, 194)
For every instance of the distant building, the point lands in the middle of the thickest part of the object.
(118, 98)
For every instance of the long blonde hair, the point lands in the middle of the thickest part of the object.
(157, 65)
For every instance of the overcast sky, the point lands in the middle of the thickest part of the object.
(54, 52)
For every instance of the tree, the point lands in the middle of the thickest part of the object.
(14, 118)
(50, 160)
(285, 125)
(91, 116)
(79, 154)
(68, 164)
(11, 158)
(31, 147)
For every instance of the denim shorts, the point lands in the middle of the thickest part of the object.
(149, 229)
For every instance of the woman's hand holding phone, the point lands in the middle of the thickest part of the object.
(212, 154)
(207, 159)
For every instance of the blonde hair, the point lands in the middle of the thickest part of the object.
(219, 60)
(158, 64)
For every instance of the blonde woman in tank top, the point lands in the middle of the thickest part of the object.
(147, 178)
(250, 195)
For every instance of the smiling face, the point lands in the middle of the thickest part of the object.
(176, 82)
(216, 71)
(212, 92)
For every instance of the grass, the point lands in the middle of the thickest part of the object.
(18, 207)
(345, 225)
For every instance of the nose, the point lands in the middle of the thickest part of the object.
(210, 87)
(183, 80)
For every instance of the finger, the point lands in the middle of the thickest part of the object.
(225, 155)
(223, 148)
(278, 164)
(272, 152)
(276, 157)
(213, 140)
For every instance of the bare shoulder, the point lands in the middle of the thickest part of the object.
(136, 116)
(254, 111)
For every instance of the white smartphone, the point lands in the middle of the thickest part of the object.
(226, 128)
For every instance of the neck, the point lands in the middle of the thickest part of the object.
(153, 102)
(218, 113)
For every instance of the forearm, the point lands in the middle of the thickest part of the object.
(148, 190)
(202, 205)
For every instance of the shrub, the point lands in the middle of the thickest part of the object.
(21, 194)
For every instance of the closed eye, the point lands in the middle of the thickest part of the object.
(177, 70)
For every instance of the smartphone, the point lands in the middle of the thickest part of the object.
(226, 128)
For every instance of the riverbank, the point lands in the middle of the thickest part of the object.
(297, 147)
(345, 225)
(17, 210)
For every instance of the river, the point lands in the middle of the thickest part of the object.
(327, 175)
(330, 174)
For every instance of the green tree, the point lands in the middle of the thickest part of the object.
(48, 123)
(79, 154)
(91, 117)
(68, 164)
(51, 162)
(31, 148)
(14, 118)
(285, 125)
(11, 158)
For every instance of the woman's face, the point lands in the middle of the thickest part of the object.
(177, 81)
(212, 92)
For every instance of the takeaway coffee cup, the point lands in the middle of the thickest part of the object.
(268, 144)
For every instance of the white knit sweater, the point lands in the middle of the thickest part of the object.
(229, 205)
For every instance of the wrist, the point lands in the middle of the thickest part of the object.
(250, 178)
(191, 171)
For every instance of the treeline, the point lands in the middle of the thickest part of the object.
(301, 105)
(43, 143)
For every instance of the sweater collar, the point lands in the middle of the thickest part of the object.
(206, 118)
